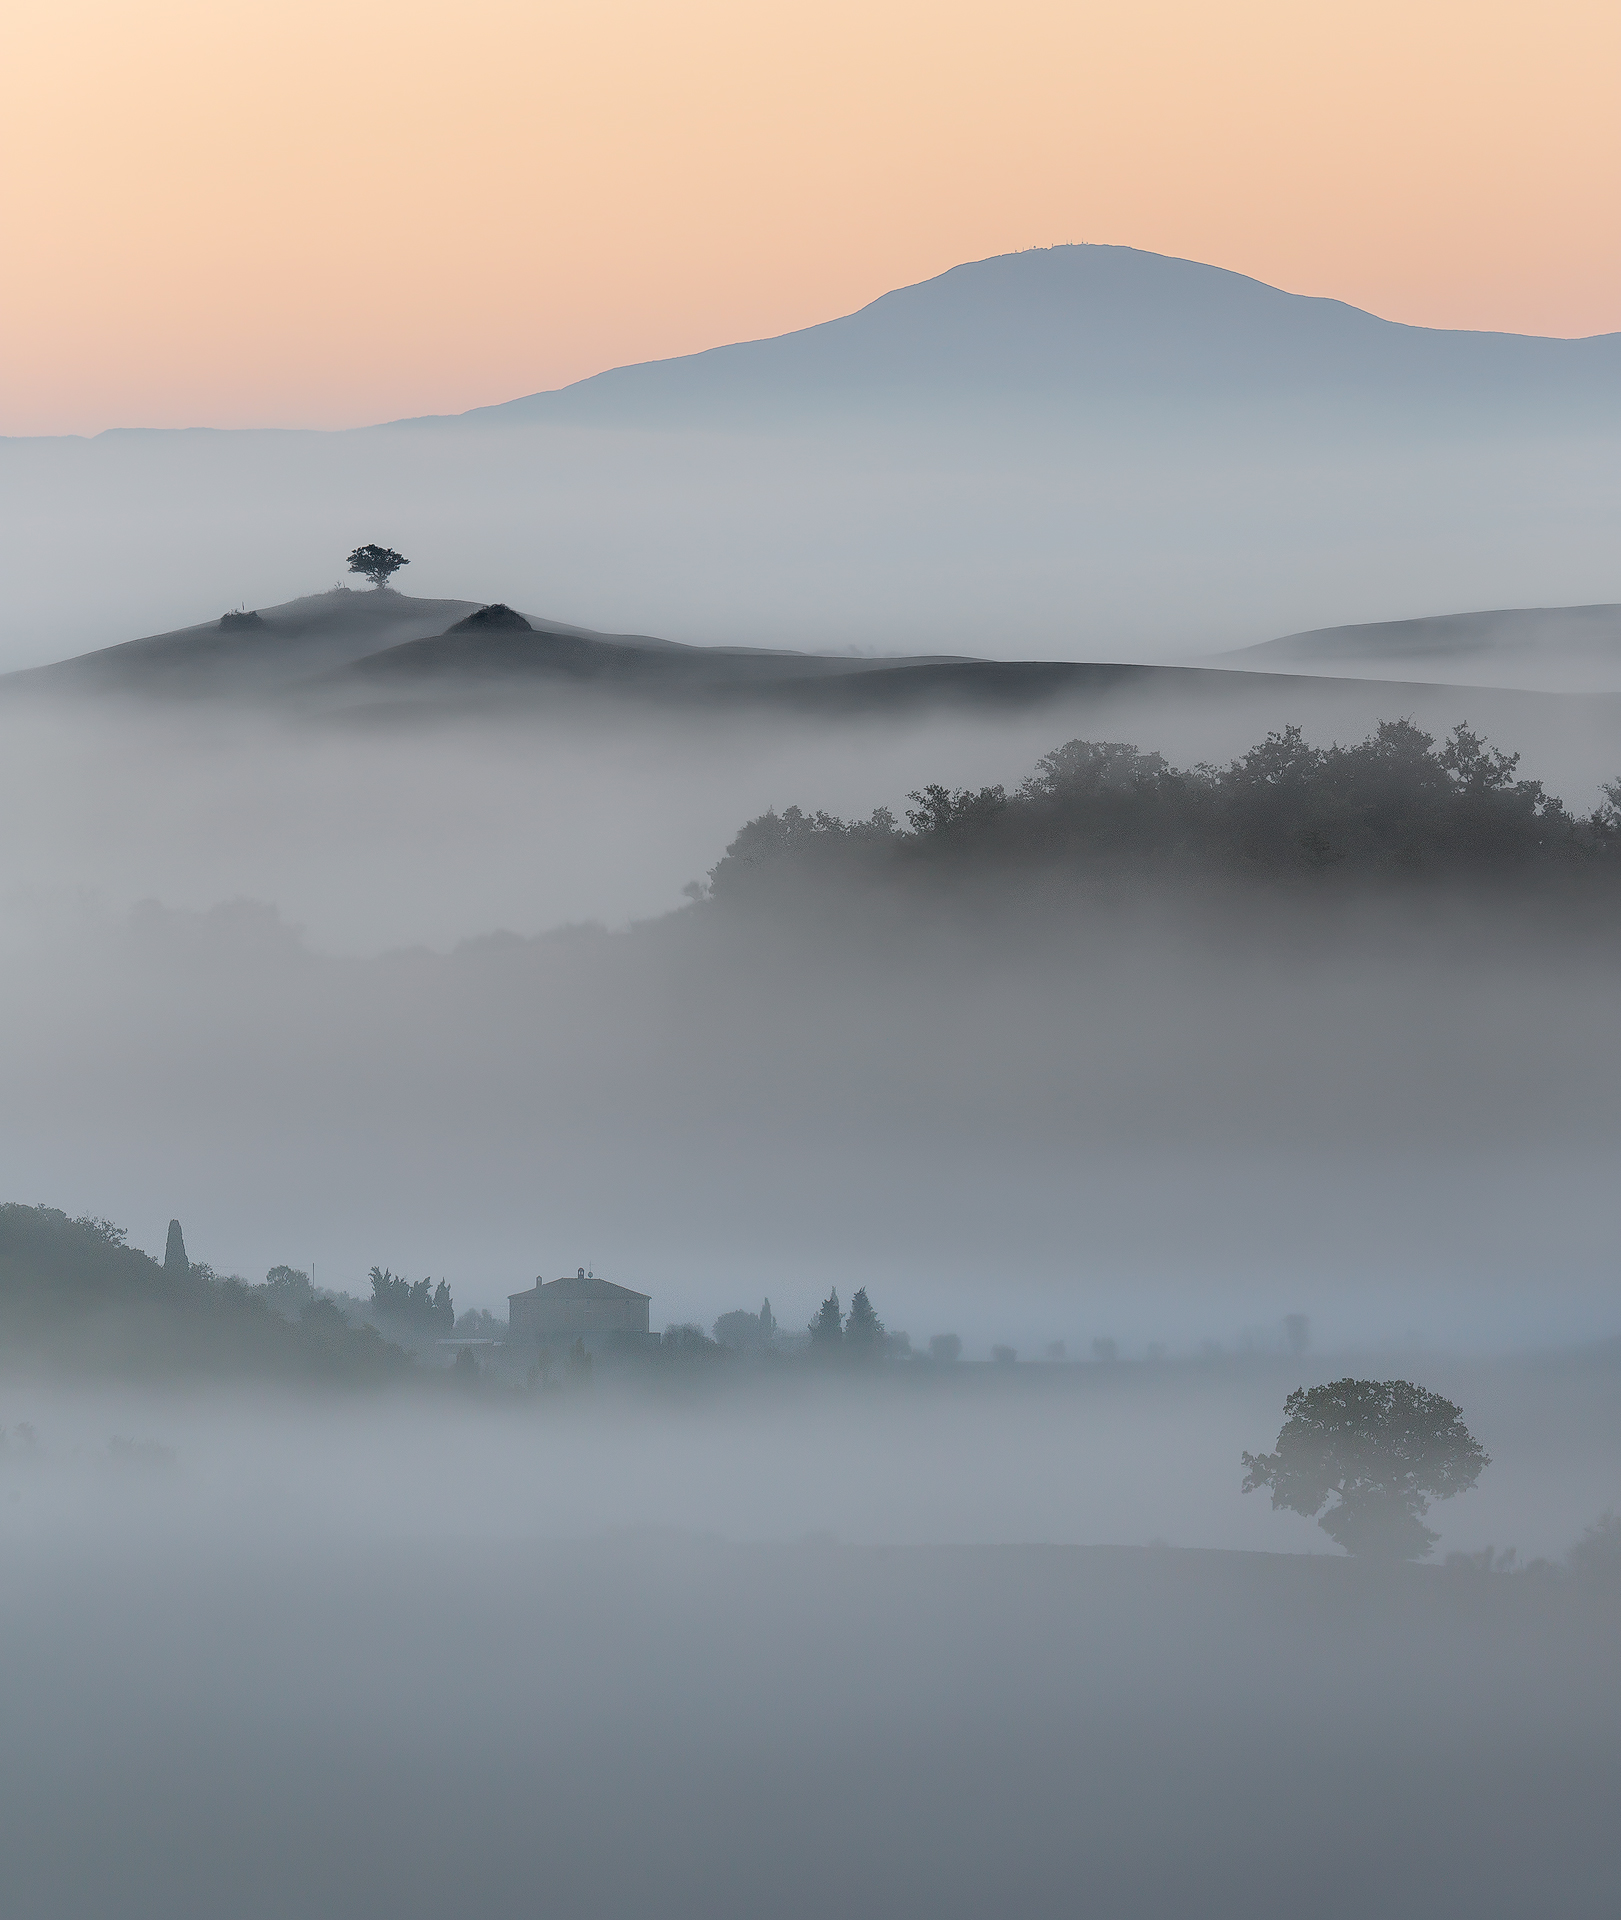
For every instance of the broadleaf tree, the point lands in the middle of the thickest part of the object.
(1374, 1454)
(377, 564)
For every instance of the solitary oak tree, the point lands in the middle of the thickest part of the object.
(1374, 1453)
(378, 564)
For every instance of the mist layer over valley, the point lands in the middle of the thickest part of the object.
(813, 1142)
(1155, 1128)
(424, 993)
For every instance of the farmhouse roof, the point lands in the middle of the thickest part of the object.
(579, 1286)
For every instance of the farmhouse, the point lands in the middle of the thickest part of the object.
(556, 1313)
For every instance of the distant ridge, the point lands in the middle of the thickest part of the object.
(368, 658)
(1095, 327)
(1552, 649)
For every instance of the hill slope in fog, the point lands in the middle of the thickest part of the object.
(1555, 649)
(76, 1299)
(274, 648)
(363, 657)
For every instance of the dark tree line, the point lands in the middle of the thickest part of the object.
(419, 1304)
(1394, 805)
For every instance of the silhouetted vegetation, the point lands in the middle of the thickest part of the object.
(1395, 806)
(863, 1330)
(827, 1329)
(75, 1296)
(417, 1305)
(687, 1342)
(377, 564)
(747, 1332)
(499, 618)
(1597, 1555)
(1374, 1453)
(288, 1291)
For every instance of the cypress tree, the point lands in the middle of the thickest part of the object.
(174, 1253)
(863, 1330)
(827, 1330)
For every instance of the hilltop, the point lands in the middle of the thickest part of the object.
(274, 649)
(364, 659)
(1091, 326)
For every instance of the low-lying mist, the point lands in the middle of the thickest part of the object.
(272, 1656)
(1155, 535)
(393, 830)
(1159, 1115)
(727, 1638)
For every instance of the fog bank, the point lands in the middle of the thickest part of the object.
(328, 1663)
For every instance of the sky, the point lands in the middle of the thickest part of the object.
(328, 214)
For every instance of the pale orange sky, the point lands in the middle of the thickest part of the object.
(325, 212)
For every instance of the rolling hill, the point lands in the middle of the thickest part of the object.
(1552, 649)
(367, 658)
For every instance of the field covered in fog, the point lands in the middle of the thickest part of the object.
(286, 1657)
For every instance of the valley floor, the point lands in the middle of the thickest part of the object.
(655, 1723)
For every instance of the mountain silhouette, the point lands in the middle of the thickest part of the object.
(1093, 327)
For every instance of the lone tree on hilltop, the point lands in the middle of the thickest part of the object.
(378, 564)
(1379, 1451)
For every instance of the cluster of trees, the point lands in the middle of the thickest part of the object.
(857, 1335)
(289, 1291)
(746, 1332)
(77, 1295)
(1395, 804)
(418, 1304)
